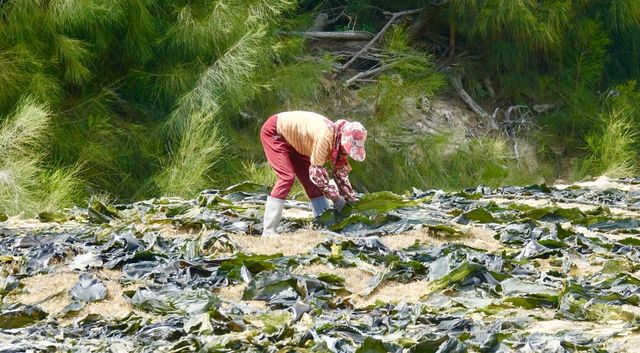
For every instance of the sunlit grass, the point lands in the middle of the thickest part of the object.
(25, 184)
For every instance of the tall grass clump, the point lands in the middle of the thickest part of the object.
(610, 148)
(25, 184)
(259, 173)
(201, 147)
(59, 187)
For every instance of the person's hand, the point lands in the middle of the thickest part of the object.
(353, 200)
(339, 203)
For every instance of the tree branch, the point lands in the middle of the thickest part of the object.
(456, 82)
(394, 17)
(402, 13)
(368, 73)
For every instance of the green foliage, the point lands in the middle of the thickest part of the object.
(586, 55)
(294, 81)
(201, 148)
(624, 14)
(292, 86)
(611, 148)
(259, 173)
(25, 185)
(411, 74)
(142, 93)
(529, 23)
(518, 38)
(263, 174)
(222, 87)
(445, 162)
(73, 55)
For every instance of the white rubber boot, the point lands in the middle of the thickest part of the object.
(319, 205)
(272, 215)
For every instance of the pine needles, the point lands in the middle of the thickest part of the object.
(201, 148)
(73, 55)
(22, 175)
(611, 148)
(222, 87)
(160, 82)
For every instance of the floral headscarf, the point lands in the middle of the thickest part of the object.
(352, 140)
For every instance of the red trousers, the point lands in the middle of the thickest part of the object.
(286, 161)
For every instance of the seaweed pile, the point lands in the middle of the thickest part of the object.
(566, 257)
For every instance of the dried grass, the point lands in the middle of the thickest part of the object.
(37, 288)
(234, 294)
(287, 244)
(558, 325)
(355, 279)
(394, 292)
(476, 237)
(601, 183)
(624, 342)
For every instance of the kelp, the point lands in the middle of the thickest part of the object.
(59, 217)
(19, 315)
(170, 299)
(478, 215)
(282, 289)
(468, 296)
(375, 214)
(88, 289)
(98, 212)
(464, 274)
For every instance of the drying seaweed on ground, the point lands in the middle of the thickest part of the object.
(172, 263)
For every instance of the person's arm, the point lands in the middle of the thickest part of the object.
(320, 178)
(341, 175)
(317, 173)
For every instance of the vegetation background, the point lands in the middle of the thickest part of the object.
(130, 99)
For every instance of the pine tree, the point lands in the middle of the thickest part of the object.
(139, 91)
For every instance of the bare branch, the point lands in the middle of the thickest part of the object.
(394, 17)
(402, 13)
(368, 73)
(456, 82)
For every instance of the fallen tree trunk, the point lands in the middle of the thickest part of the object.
(321, 35)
